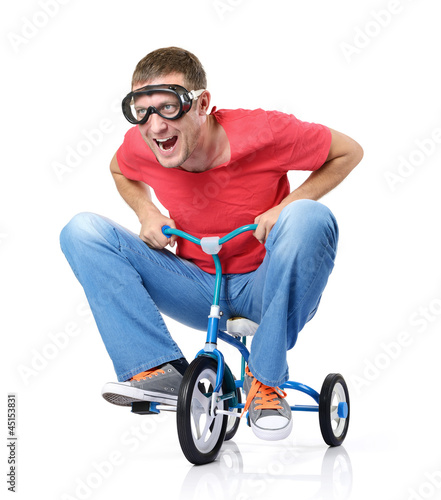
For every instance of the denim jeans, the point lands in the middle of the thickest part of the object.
(128, 286)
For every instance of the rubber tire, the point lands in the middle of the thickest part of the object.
(232, 429)
(326, 392)
(183, 417)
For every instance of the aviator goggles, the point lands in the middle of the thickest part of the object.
(168, 101)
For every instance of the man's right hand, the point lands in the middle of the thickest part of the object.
(151, 230)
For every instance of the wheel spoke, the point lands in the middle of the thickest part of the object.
(201, 412)
(339, 392)
(196, 413)
(201, 399)
(202, 437)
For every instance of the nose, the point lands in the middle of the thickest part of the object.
(156, 123)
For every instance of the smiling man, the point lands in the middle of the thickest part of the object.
(213, 171)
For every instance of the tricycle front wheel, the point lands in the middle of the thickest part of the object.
(201, 432)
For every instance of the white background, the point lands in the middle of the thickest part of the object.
(63, 76)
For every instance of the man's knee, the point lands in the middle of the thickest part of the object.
(309, 217)
(306, 209)
(78, 229)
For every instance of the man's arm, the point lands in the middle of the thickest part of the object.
(344, 154)
(138, 197)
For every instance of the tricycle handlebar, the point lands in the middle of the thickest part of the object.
(168, 231)
(212, 248)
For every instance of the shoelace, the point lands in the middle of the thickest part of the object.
(269, 396)
(147, 374)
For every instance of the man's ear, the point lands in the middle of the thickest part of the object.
(204, 102)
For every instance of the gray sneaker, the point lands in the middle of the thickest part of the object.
(269, 413)
(160, 385)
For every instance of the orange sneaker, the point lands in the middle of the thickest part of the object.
(269, 413)
(160, 385)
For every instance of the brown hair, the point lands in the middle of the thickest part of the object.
(162, 62)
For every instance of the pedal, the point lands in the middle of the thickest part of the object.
(144, 408)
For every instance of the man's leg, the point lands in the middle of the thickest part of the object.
(127, 284)
(283, 294)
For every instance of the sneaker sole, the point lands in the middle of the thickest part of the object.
(120, 395)
(272, 434)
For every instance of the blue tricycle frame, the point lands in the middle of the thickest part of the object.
(209, 400)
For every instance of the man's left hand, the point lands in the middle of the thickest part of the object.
(265, 223)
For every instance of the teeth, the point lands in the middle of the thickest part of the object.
(161, 142)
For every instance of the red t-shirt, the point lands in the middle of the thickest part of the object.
(264, 146)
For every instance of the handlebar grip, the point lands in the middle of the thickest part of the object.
(165, 230)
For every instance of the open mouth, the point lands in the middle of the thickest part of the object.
(166, 144)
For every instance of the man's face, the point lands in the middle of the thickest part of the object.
(172, 141)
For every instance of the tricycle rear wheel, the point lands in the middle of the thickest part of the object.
(334, 409)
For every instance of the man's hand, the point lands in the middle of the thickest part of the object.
(137, 195)
(265, 223)
(344, 154)
(151, 230)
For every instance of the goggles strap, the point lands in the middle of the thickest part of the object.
(194, 94)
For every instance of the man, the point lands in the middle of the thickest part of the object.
(212, 172)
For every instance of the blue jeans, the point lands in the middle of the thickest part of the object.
(128, 286)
